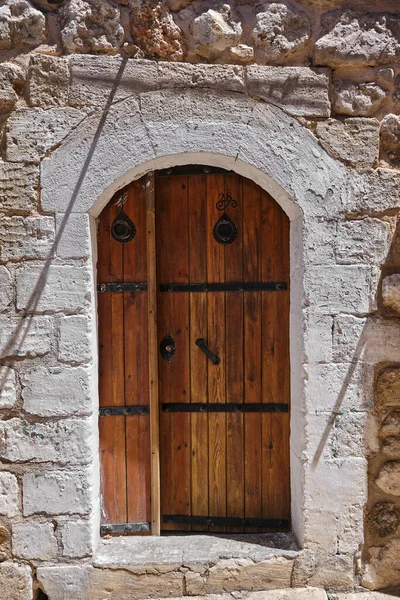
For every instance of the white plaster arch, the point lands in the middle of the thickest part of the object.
(154, 130)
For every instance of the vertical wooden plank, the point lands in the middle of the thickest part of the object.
(216, 342)
(153, 354)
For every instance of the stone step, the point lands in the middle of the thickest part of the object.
(281, 594)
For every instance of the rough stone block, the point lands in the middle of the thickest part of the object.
(334, 574)
(353, 141)
(73, 235)
(383, 519)
(365, 241)
(388, 479)
(32, 132)
(76, 539)
(232, 574)
(97, 79)
(48, 81)
(388, 387)
(8, 494)
(8, 392)
(301, 91)
(56, 287)
(63, 582)
(391, 292)
(319, 241)
(18, 186)
(34, 541)
(382, 566)
(391, 425)
(26, 336)
(373, 192)
(75, 339)
(357, 100)
(214, 31)
(6, 287)
(280, 29)
(57, 391)
(340, 289)
(65, 442)
(390, 140)
(26, 237)
(56, 493)
(184, 75)
(15, 581)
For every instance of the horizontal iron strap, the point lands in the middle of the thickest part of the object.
(122, 287)
(256, 286)
(228, 521)
(220, 407)
(115, 411)
(125, 527)
(191, 170)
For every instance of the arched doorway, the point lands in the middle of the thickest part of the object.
(221, 348)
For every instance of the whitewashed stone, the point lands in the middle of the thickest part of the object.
(48, 81)
(25, 336)
(382, 567)
(374, 192)
(62, 288)
(8, 391)
(357, 100)
(34, 541)
(56, 493)
(319, 236)
(96, 79)
(364, 241)
(280, 29)
(353, 141)
(65, 442)
(56, 391)
(388, 479)
(390, 138)
(6, 285)
(76, 539)
(215, 31)
(184, 75)
(32, 132)
(340, 289)
(388, 387)
(391, 292)
(75, 339)
(317, 337)
(73, 235)
(91, 26)
(299, 90)
(26, 237)
(371, 340)
(242, 53)
(18, 186)
(349, 338)
(20, 25)
(16, 581)
(8, 494)
(352, 38)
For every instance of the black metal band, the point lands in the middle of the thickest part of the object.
(122, 287)
(125, 527)
(256, 286)
(191, 170)
(227, 521)
(224, 408)
(115, 411)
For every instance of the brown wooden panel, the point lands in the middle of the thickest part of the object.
(113, 469)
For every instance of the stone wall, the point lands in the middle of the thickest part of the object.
(307, 93)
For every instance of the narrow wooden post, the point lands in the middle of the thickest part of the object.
(153, 363)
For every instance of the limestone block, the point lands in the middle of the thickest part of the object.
(350, 531)
(214, 31)
(242, 53)
(391, 446)
(339, 289)
(97, 79)
(390, 139)
(56, 493)
(391, 292)
(6, 286)
(390, 425)
(388, 478)
(73, 235)
(280, 29)
(15, 581)
(62, 288)
(364, 241)
(76, 539)
(319, 236)
(194, 584)
(8, 494)
(91, 26)
(388, 387)
(372, 341)
(18, 186)
(25, 336)
(185, 75)
(63, 582)
(26, 237)
(384, 519)
(233, 574)
(357, 100)
(353, 141)
(334, 573)
(8, 392)
(155, 31)
(317, 337)
(56, 391)
(20, 25)
(298, 90)
(32, 132)
(351, 38)
(34, 541)
(48, 80)
(377, 191)
(8, 96)
(320, 534)
(66, 442)
(75, 339)
(382, 566)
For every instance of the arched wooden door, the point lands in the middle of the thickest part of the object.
(222, 351)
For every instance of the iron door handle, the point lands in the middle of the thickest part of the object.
(215, 359)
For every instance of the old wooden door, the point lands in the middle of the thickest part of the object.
(223, 357)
